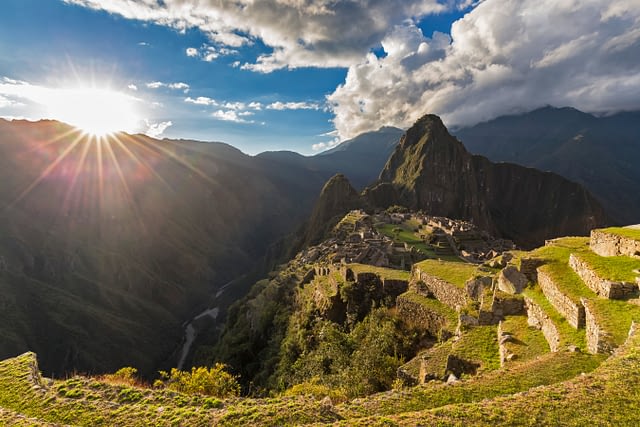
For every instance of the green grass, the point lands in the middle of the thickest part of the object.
(434, 305)
(568, 334)
(631, 233)
(456, 273)
(406, 235)
(615, 317)
(549, 368)
(529, 342)
(557, 266)
(384, 273)
(479, 344)
(617, 268)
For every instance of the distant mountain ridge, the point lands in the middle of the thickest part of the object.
(601, 153)
(360, 158)
(430, 170)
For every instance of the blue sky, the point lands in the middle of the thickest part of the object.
(301, 75)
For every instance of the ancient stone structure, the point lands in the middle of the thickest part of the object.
(537, 318)
(420, 314)
(609, 244)
(598, 340)
(569, 309)
(447, 293)
(603, 287)
(512, 281)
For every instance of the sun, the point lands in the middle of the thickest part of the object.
(96, 111)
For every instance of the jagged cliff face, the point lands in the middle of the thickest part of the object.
(432, 171)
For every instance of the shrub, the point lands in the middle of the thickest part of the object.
(125, 376)
(214, 381)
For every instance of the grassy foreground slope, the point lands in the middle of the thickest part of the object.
(608, 396)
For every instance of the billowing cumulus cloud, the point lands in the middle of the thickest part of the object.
(301, 33)
(155, 130)
(505, 56)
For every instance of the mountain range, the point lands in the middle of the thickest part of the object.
(108, 245)
(600, 153)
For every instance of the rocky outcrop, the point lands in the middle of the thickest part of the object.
(599, 341)
(430, 170)
(603, 287)
(537, 318)
(529, 267)
(609, 244)
(511, 281)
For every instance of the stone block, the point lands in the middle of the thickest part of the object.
(511, 281)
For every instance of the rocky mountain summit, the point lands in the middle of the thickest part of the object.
(430, 170)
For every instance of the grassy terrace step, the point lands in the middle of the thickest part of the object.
(629, 233)
(557, 266)
(478, 345)
(528, 342)
(547, 369)
(604, 397)
(434, 305)
(456, 273)
(617, 269)
(384, 273)
(615, 317)
(568, 334)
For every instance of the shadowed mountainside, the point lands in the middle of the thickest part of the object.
(430, 170)
(107, 246)
(597, 152)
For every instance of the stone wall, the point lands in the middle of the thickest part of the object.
(570, 310)
(607, 244)
(537, 318)
(604, 288)
(598, 340)
(447, 293)
(420, 315)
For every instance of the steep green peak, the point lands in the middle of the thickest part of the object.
(338, 184)
(427, 142)
(428, 129)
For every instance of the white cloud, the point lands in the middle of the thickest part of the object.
(201, 100)
(301, 33)
(132, 87)
(505, 56)
(5, 102)
(229, 116)
(179, 86)
(176, 86)
(321, 146)
(209, 53)
(293, 106)
(155, 130)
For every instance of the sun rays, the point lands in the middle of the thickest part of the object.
(100, 178)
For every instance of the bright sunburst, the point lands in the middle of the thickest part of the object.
(96, 111)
